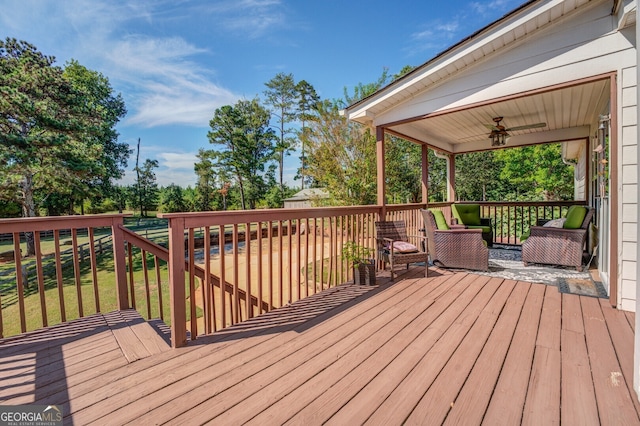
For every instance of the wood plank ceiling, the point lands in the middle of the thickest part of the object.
(464, 130)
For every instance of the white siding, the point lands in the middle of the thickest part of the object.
(628, 202)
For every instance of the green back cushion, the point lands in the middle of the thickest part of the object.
(467, 214)
(575, 217)
(441, 222)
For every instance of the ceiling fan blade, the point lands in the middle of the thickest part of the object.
(528, 126)
(490, 126)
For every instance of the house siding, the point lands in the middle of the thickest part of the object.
(628, 189)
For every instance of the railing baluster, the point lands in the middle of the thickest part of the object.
(247, 250)
(17, 254)
(40, 277)
(299, 256)
(280, 266)
(192, 284)
(223, 273)
(159, 285)
(131, 278)
(236, 298)
(59, 280)
(209, 313)
(270, 264)
(76, 270)
(94, 268)
(260, 278)
(290, 261)
(146, 283)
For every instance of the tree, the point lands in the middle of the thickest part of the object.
(307, 111)
(111, 160)
(478, 176)
(246, 143)
(172, 199)
(342, 157)
(403, 161)
(281, 96)
(145, 191)
(52, 128)
(206, 180)
(537, 172)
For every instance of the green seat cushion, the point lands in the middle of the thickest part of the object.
(441, 222)
(485, 229)
(524, 236)
(575, 217)
(467, 214)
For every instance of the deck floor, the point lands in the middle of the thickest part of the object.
(454, 348)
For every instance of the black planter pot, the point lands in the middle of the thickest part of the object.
(364, 274)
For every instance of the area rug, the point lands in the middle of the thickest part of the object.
(506, 262)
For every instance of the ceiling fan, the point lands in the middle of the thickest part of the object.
(499, 133)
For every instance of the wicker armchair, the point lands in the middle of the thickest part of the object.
(388, 235)
(557, 246)
(455, 248)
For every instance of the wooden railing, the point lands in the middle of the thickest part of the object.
(277, 256)
(510, 220)
(59, 283)
(220, 268)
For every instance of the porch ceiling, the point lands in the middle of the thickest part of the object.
(568, 112)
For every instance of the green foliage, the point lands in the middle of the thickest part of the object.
(536, 172)
(246, 143)
(342, 157)
(478, 176)
(356, 254)
(204, 191)
(282, 98)
(144, 194)
(56, 128)
(403, 160)
(307, 111)
(172, 199)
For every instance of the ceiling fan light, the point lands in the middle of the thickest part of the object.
(498, 137)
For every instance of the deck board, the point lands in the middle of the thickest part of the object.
(454, 348)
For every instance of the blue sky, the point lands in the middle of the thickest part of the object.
(176, 61)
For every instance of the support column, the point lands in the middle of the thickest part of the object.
(425, 175)
(451, 178)
(381, 178)
(177, 292)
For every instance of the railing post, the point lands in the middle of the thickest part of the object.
(119, 262)
(177, 282)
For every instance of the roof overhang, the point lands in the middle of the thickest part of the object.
(458, 124)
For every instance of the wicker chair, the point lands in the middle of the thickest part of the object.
(557, 246)
(455, 248)
(388, 234)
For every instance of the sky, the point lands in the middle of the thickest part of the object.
(176, 61)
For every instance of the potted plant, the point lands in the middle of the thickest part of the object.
(364, 267)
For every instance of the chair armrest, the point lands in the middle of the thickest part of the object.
(548, 230)
(458, 226)
(422, 237)
(458, 231)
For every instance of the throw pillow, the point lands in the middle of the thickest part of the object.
(441, 222)
(555, 223)
(404, 247)
(575, 217)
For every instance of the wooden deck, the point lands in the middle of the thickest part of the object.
(454, 348)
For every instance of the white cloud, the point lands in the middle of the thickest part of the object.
(178, 160)
(159, 76)
(168, 88)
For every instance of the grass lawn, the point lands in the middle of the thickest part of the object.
(106, 287)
